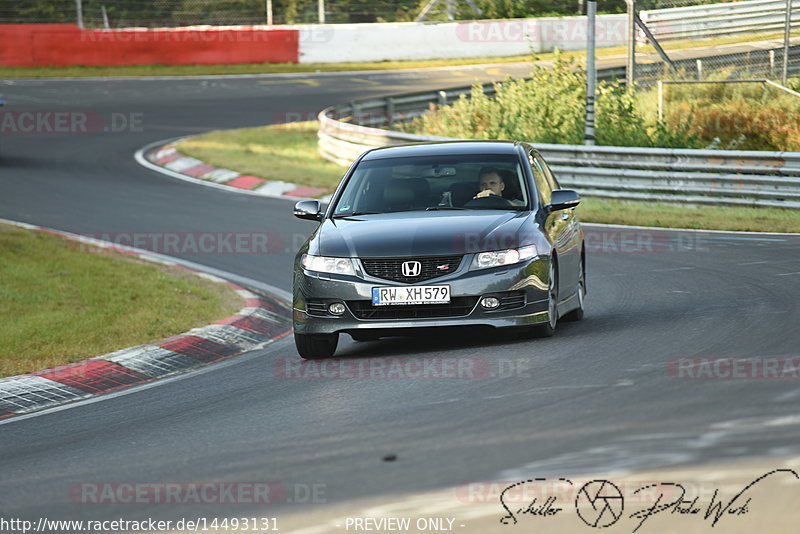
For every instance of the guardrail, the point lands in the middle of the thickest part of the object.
(723, 177)
(716, 20)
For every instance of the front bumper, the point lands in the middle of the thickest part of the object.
(521, 287)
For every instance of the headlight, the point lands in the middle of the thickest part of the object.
(484, 260)
(322, 264)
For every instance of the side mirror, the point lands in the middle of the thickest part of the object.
(308, 209)
(562, 199)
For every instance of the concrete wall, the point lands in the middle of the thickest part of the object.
(39, 45)
(32, 45)
(331, 43)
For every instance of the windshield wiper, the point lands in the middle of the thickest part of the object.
(356, 213)
(437, 208)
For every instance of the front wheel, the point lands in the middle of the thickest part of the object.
(315, 346)
(549, 328)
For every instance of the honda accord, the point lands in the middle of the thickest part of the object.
(435, 235)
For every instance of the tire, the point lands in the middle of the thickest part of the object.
(577, 314)
(316, 346)
(549, 328)
(364, 336)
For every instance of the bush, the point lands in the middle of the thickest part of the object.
(550, 108)
(738, 116)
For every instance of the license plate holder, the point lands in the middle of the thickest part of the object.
(410, 295)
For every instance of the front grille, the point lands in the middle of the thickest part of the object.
(391, 268)
(458, 307)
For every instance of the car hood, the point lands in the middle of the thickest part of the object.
(432, 233)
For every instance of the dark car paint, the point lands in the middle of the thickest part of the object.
(421, 233)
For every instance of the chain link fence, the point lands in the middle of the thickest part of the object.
(167, 13)
(676, 25)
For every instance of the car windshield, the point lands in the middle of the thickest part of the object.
(462, 182)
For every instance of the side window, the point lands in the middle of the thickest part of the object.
(551, 179)
(540, 178)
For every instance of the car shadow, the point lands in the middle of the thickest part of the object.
(436, 339)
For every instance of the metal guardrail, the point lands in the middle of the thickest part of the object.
(717, 20)
(723, 177)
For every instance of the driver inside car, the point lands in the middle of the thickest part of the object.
(491, 183)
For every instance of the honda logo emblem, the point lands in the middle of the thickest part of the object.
(411, 268)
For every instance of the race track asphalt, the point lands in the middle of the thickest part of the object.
(600, 395)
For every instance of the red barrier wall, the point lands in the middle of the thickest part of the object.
(41, 45)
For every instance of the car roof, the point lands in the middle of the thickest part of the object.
(444, 148)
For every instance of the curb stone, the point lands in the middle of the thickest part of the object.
(168, 157)
(264, 319)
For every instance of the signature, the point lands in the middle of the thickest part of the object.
(545, 509)
(601, 503)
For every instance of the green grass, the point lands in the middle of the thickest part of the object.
(274, 68)
(61, 302)
(664, 215)
(285, 152)
(289, 152)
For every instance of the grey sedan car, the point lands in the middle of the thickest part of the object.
(436, 235)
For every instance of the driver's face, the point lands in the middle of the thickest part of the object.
(493, 183)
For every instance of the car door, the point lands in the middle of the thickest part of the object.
(561, 227)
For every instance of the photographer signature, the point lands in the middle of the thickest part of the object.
(604, 503)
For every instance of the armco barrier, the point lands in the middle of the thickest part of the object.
(717, 20)
(722, 177)
(40, 45)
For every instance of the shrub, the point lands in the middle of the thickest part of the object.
(550, 108)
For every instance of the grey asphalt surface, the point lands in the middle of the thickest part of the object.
(598, 396)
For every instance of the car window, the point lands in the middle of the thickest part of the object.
(434, 183)
(551, 178)
(540, 177)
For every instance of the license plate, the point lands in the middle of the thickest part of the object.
(384, 296)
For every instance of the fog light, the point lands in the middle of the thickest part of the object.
(490, 303)
(337, 308)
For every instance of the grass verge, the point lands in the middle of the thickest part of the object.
(285, 152)
(744, 219)
(289, 152)
(62, 302)
(277, 68)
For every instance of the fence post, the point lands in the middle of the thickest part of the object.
(390, 111)
(591, 71)
(699, 69)
(786, 28)
(79, 9)
(630, 75)
(106, 25)
(442, 98)
(772, 63)
(660, 100)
